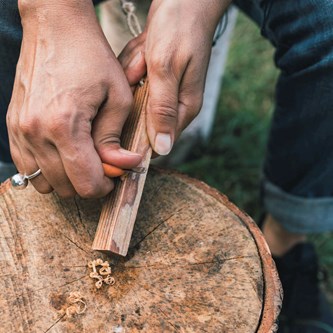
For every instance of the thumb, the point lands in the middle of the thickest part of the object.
(162, 111)
(107, 128)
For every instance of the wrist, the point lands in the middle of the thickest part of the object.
(39, 10)
(50, 19)
(217, 8)
(26, 6)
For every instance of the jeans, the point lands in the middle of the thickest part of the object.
(297, 186)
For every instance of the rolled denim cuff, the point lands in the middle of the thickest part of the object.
(297, 214)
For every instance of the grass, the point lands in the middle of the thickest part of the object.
(231, 160)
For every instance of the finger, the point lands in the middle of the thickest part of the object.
(162, 108)
(22, 156)
(25, 162)
(43, 156)
(27, 165)
(113, 154)
(134, 44)
(83, 167)
(191, 95)
(133, 63)
(53, 170)
(37, 155)
(136, 69)
(107, 128)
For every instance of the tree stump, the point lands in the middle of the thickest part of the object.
(196, 264)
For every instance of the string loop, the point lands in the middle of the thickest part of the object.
(133, 23)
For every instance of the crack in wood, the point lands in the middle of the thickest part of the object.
(75, 266)
(63, 285)
(157, 226)
(80, 218)
(168, 319)
(176, 264)
(55, 323)
(73, 242)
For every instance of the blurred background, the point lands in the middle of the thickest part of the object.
(232, 157)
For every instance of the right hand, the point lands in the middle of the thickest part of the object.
(70, 101)
(174, 50)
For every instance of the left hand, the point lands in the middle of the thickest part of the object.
(174, 50)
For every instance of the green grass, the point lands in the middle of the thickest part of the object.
(231, 160)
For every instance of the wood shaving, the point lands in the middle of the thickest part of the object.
(105, 271)
(103, 274)
(75, 305)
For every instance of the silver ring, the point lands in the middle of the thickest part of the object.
(33, 175)
(20, 181)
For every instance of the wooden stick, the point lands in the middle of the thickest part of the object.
(119, 212)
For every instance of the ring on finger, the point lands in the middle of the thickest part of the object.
(20, 181)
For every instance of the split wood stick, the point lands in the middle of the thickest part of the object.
(119, 212)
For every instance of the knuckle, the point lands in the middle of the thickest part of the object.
(94, 189)
(88, 191)
(160, 65)
(126, 101)
(132, 43)
(123, 100)
(9, 119)
(135, 42)
(105, 143)
(15, 154)
(12, 127)
(165, 113)
(28, 127)
(59, 124)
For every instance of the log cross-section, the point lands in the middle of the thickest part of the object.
(119, 212)
(196, 263)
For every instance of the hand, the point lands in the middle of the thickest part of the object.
(70, 100)
(175, 50)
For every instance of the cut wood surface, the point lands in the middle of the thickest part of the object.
(196, 264)
(118, 214)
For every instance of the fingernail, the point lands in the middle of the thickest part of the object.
(135, 60)
(127, 152)
(163, 144)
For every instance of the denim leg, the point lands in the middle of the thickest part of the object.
(298, 181)
(10, 42)
(252, 9)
